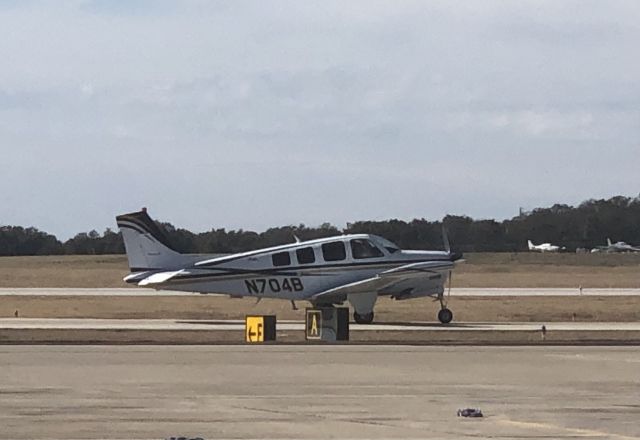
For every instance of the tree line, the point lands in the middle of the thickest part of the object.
(584, 226)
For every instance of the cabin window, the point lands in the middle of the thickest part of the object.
(281, 259)
(305, 255)
(362, 248)
(334, 251)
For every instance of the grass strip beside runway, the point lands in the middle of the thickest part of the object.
(466, 309)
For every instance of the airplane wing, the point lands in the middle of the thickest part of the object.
(385, 280)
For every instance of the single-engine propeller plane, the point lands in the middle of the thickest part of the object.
(544, 247)
(356, 268)
(619, 246)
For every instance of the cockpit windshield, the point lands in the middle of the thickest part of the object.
(389, 246)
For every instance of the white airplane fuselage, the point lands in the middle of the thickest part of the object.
(544, 247)
(253, 273)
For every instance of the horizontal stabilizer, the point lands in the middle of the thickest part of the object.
(159, 277)
(136, 277)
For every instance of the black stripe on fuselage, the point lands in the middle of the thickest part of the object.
(146, 269)
(295, 271)
(334, 265)
(291, 246)
(250, 254)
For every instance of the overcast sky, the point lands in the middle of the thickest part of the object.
(266, 113)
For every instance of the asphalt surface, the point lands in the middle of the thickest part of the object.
(454, 292)
(215, 332)
(313, 392)
(229, 325)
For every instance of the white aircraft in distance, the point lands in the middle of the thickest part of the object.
(619, 246)
(544, 247)
(356, 268)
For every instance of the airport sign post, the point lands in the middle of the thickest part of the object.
(260, 328)
(327, 324)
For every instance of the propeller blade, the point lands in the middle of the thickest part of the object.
(445, 239)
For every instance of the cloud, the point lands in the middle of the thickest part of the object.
(257, 114)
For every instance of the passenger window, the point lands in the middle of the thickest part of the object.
(361, 248)
(281, 259)
(334, 251)
(305, 255)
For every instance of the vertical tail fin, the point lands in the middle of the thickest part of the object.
(609, 242)
(531, 246)
(146, 245)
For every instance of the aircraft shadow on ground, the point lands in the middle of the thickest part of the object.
(425, 324)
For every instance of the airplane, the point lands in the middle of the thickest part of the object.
(544, 247)
(356, 268)
(619, 246)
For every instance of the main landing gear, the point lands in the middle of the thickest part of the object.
(366, 318)
(363, 304)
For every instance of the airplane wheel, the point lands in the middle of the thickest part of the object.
(445, 316)
(367, 318)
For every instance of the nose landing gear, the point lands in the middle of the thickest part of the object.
(445, 315)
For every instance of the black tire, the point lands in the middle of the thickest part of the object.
(445, 316)
(367, 318)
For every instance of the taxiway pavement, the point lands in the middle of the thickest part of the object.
(313, 392)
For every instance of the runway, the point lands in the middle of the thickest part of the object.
(285, 325)
(313, 392)
(471, 291)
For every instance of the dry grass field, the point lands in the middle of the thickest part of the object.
(549, 270)
(64, 271)
(478, 270)
(214, 307)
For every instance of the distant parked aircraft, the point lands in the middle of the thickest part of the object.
(544, 247)
(619, 246)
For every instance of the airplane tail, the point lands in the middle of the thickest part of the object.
(531, 246)
(609, 242)
(146, 245)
